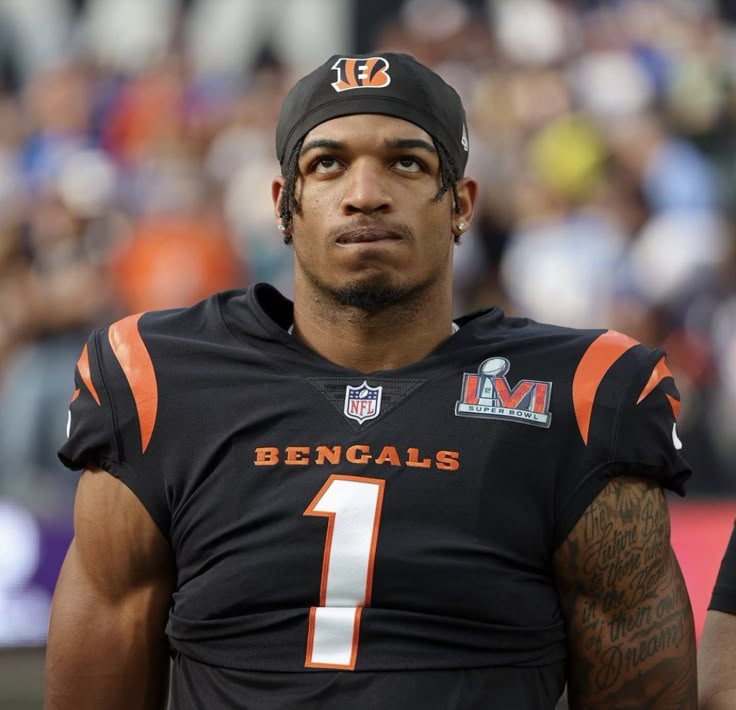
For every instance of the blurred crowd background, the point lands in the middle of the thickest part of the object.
(137, 151)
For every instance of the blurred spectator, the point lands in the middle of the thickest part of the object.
(674, 175)
(723, 336)
(171, 262)
(129, 36)
(56, 292)
(242, 163)
(39, 32)
(563, 255)
(56, 105)
(675, 253)
(147, 112)
(227, 36)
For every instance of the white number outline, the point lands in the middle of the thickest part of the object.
(338, 625)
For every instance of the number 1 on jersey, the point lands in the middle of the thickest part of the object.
(352, 506)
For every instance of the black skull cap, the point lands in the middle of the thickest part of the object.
(392, 84)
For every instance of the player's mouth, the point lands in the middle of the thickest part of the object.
(368, 235)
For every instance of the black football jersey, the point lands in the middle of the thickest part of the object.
(350, 540)
(724, 591)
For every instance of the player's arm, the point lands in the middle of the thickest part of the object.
(630, 627)
(717, 652)
(717, 662)
(107, 647)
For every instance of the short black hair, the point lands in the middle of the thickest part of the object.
(289, 204)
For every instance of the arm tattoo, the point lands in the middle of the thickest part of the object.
(630, 627)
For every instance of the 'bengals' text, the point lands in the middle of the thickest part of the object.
(357, 454)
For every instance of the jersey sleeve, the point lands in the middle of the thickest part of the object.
(646, 442)
(626, 405)
(107, 417)
(724, 591)
(91, 440)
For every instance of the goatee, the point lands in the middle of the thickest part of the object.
(370, 297)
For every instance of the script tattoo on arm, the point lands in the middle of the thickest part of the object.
(630, 627)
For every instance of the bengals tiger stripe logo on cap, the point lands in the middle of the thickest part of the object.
(361, 73)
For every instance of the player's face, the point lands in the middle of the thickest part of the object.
(370, 231)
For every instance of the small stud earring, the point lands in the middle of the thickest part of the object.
(461, 226)
(281, 227)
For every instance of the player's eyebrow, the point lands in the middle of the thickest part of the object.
(409, 143)
(321, 143)
(394, 144)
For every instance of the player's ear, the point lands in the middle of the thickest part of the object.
(277, 192)
(467, 194)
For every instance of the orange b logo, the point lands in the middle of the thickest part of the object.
(361, 73)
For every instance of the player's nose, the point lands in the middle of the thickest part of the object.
(366, 190)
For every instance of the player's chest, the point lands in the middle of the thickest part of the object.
(454, 449)
(293, 419)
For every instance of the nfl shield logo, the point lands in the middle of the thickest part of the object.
(363, 402)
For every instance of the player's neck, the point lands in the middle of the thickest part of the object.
(369, 342)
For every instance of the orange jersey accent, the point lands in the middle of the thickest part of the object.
(133, 356)
(595, 363)
(86, 375)
(659, 373)
(675, 404)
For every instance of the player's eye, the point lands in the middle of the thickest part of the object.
(325, 164)
(409, 164)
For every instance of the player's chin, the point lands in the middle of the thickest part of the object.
(371, 293)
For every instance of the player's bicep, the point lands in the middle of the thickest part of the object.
(627, 611)
(119, 544)
(107, 645)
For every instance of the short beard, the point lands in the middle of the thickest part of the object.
(376, 293)
(370, 294)
(371, 297)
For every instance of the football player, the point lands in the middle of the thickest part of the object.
(350, 500)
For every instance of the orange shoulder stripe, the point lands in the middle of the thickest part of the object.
(592, 368)
(133, 356)
(659, 373)
(675, 404)
(86, 374)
